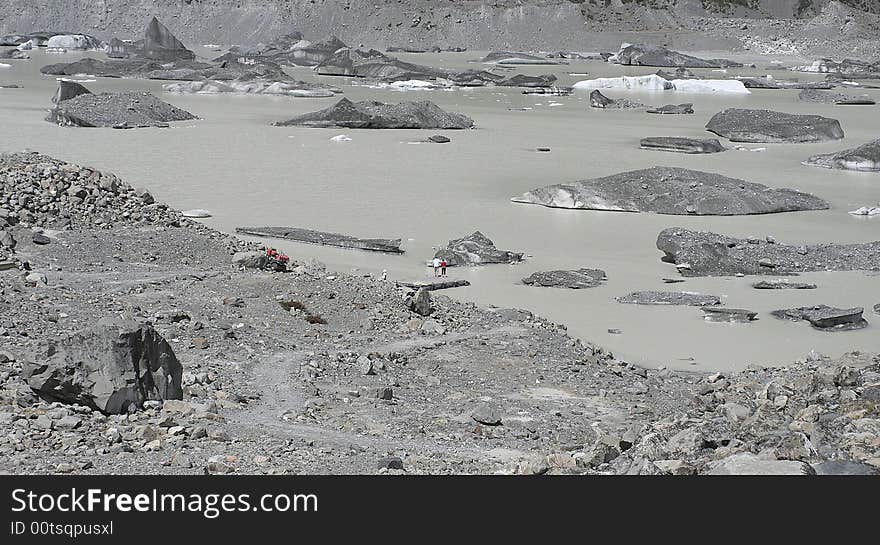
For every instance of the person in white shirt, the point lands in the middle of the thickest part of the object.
(436, 264)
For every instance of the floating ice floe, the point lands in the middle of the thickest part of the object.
(653, 82)
(4, 65)
(866, 211)
(341, 138)
(196, 213)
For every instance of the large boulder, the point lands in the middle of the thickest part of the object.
(708, 254)
(863, 158)
(113, 367)
(655, 55)
(681, 144)
(126, 109)
(746, 463)
(378, 115)
(671, 190)
(476, 249)
(741, 125)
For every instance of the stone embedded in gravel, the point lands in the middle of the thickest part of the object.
(475, 249)
(251, 260)
(420, 303)
(576, 279)
(783, 285)
(844, 467)
(826, 318)
(669, 298)
(681, 144)
(110, 367)
(698, 253)
(125, 109)
(389, 462)
(865, 158)
(729, 315)
(686, 108)
(672, 190)
(378, 115)
(486, 413)
(742, 125)
(40, 238)
(385, 393)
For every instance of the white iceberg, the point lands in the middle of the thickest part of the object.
(654, 82)
(341, 138)
(866, 211)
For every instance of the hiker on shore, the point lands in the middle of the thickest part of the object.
(443, 267)
(436, 264)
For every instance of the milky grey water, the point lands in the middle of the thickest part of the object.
(383, 184)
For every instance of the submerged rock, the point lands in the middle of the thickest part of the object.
(126, 109)
(783, 285)
(378, 115)
(671, 190)
(824, 97)
(863, 158)
(475, 249)
(655, 55)
(709, 254)
(729, 315)
(686, 108)
(514, 57)
(311, 236)
(598, 100)
(576, 279)
(681, 144)
(669, 298)
(112, 367)
(741, 125)
(826, 318)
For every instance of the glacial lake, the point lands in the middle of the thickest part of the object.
(388, 184)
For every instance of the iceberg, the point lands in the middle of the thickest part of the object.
(654, 82)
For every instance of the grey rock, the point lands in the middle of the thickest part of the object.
(708, 254)
(378, 115)
(487, 414)
(439, 139)
(68, 89)
(516, 57)
(865, 158)
(686, 108)
(390, 462)
(741, 125)
(385, 393)
(749, 464)
(681, 144)
(161, 44)
(40, 239)
(844, 467)
(310, 236)
(475, 249)
(111, 367)
(576, 279)
(671, 190)
(251, 260)
(669, 298)
(826, 318)
(420, 303)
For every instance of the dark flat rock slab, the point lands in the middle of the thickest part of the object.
(432, 286)
(826, 318)
(675, 191)
(378, 115)
(576, 279)
(669, 298)
(697, 253)
(310, 236)
(475, 249)
(741, 125)
(681, 144)
(723, 314)
(865, 158)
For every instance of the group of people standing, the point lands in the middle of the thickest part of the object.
(439, 266)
